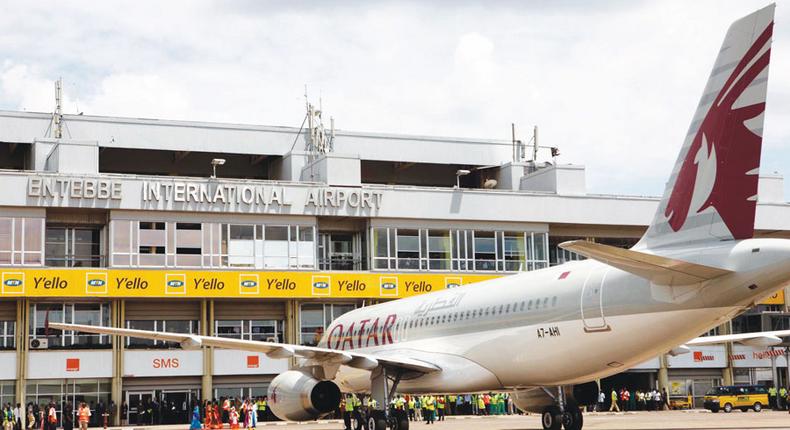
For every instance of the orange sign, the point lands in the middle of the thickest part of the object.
(72, 365)
(253, 362)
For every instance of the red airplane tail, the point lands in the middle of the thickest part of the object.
(712, 192)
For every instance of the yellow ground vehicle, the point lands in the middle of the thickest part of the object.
(680, 402)
(743, 397)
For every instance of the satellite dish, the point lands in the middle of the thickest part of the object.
(490, 183)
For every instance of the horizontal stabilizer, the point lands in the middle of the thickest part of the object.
(758, 339)
(659, 270)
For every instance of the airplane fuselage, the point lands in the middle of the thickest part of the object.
(566, 324)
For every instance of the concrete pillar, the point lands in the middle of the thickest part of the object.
(727, 374)
(787, 369)
(774, 372)
(663, 373)
(118, 313)
(207, 329)
(292, 328)
(21, 354)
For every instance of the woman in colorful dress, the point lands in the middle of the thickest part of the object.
(233, 418)
(195, 425)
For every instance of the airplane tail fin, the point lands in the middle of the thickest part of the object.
(711, 194)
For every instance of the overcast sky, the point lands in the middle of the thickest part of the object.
(612, 84)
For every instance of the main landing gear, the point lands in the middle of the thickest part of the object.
(564, 414)
(382, 388)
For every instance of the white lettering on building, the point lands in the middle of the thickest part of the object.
(74, 188)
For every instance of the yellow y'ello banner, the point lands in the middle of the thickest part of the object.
(223, 284)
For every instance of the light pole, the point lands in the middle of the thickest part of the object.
(458, 174)
(214, 163)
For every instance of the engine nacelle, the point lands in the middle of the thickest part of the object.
(535, 399)
(297, 396)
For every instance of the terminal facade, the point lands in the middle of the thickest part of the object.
(269, 233)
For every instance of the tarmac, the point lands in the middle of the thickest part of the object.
(665, 420)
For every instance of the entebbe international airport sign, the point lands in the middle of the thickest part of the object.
(222, 284)
(212, 193)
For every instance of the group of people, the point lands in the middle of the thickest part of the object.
(779, 399)
(634, 400)
(430, 408)
(45, 417)
(236, 413)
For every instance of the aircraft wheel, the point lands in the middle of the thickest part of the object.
(551, 418)
(376, 421)
(727, 408)
(572, 419)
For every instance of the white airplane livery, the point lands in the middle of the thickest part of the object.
(548, 335)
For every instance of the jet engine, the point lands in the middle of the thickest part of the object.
(536, 399)
(297, 396)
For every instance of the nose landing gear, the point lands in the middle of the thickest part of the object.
(565, 414)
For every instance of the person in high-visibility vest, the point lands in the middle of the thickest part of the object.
(440, 404)
(430, 409)
(451, 402)
(614, 406)
(347, 406)
(481, 405)
(782, 397)
(84, 415)
(410, 403)
(772, 397)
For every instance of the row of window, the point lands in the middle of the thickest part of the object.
(458, 250)
(21, 241)
(176, 244)
(26, 241)
(315, 317)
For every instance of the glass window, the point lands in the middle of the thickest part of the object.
(513, 251)
(73, 246)
(485, 250)
(132, 342)
(439, 248)
(316, 317)
(172, 326)
(7, 334)
(228, 328)
(381, 254)
(312, 324)
(275, 247)
(81, 313)
(408, 249)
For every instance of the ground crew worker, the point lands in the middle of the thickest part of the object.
(782, 397)
(410, 405)
(481, 406)
(84, 415)
(430, 409)
(440, 404)
(451, 400)
(772, 397)
(614, 406)
(347, 406)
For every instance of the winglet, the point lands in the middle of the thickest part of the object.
(659, 270)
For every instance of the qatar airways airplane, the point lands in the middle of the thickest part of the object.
(547, 335)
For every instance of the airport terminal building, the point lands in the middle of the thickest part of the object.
(268, 233)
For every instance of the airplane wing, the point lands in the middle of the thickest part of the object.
(763, 338)
(660, 270)
(271, 349)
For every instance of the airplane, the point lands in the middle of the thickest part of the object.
(547, 335)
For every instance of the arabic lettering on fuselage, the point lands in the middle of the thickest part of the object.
(437, 304)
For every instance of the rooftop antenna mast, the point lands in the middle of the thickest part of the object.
(535, 144)
(320, 140)
(57, 117)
